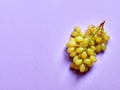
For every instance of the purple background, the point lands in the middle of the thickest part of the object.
(33, 34)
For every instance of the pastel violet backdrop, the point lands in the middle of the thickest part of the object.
(33, 34)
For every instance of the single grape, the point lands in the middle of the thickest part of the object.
(71, 44)
(76, 67)
(84, 54)
(106, 37)
(72, 39)
(93, 48)
(78, 61)
(77, 29)
(103, 46)
(79, 39)
(98, 39)
(75, 58)
(79, 49)
(85, 41)
(82, 68)
(90, 65)
(90, 52)
(70, 49)
(74, 34)
(91, 42)
(73, 54)
(98, 48)
(87, 61)
(93, 59)
(82, 34)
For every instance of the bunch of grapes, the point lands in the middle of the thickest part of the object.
(83, 47)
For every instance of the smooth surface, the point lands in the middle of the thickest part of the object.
(33, 34)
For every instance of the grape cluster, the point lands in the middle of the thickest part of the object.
(83, 47)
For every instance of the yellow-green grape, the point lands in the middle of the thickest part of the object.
(79, 49)
(75, 58)
(93, 29)
(77, 29)
(93, 48)
(87, 61)
(91, 42)
(98, 39)
(70, 49)
(76, 67)
(90, 52)
(104, 41)
(72, 39)
(78, 61)
(82, 44)
(93, 59)
(95, 37)
(90, 26)
(73, 54)
(82, 34)
(106, 37)
(82, 68)
(85, 41)
(84, 54)
(72, 65)
(78, 39)
(86, 68)
(90, 65)
(74, 34)
(103, 46)
(98, 48)
(71, 44)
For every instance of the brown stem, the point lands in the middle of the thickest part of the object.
(101, 25)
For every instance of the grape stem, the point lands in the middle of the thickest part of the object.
(100, 27)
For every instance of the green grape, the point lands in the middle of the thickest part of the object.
(98, 39)
(98, 48)
(79, 50)
(85, 41)
(82, 68)
(77, 29)
(76, 67)
(79, 39)
(90, 52)
(106, 37)
(75, 58)
(87, 61)
(103, 46)
(90, 65)
(82, 34)
(70, 49)
(72, 39)
(84, 55)
(73, 54)
(71, 44)
(90, 27)
(93, 59)
(93, 48)
(91, 42)
(78, 61)
(74, 34)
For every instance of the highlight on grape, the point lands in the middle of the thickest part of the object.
(83, 47)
